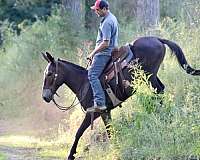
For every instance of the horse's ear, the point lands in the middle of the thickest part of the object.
(45, 57)
(50, 57)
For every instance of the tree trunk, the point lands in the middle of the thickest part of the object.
(147, 13)
(73, 5)
(90, 18)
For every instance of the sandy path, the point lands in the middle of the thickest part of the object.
(22, 154)
(18, 153)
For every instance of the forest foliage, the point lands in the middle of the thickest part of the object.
(143, 128)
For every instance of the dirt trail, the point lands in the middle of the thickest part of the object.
(18, 153)
(22, 154)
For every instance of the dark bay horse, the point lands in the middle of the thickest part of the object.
(150, 52)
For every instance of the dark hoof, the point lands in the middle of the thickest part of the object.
(70, 158)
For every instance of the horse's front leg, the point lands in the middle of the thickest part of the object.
(85, 124)
(106, 117)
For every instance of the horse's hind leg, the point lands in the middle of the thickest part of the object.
(159, 88)
(161, 84)
(157, 84)
(106, 117)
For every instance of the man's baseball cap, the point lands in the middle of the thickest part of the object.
(100, 4)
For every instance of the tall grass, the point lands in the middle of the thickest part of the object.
(164, 126)
(2, 157)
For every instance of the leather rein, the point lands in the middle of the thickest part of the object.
(63, 108)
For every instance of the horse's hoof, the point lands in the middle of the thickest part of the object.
(70, 158)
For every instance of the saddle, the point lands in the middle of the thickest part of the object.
(120, 58)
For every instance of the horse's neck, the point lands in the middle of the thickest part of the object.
(74, 76)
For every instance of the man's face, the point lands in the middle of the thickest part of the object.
(101, 12)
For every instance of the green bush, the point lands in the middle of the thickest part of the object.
(20, 55)
(2, 157)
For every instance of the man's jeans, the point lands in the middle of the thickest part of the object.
(98, 64)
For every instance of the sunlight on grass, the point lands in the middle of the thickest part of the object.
(47, 148)
(23, 141)
(61, 153)
(30, 142)
(2, 157)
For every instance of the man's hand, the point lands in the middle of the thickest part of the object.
(90, 56)
(103, 45)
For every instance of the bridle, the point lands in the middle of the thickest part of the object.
(63, 108)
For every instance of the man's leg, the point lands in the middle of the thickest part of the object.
(98, 64)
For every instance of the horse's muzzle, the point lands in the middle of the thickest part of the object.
(47, 95)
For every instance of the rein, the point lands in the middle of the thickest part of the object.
(62, 108)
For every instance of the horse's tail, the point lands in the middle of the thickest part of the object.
(180, 57)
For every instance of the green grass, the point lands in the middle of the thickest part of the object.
(2, 156)
(54, 152)
(24, 141)
(46, 148)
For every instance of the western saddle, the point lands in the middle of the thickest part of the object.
(120, 59)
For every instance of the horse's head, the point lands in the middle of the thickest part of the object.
(51, 80)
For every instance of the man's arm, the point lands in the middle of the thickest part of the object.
(103, 45)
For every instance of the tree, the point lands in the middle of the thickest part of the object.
(147, 13)
(90, 20)
(74, 6)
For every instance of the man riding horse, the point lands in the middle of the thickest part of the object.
(150, 52)
(107, 40)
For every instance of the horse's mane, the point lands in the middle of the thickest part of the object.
(74, 66)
